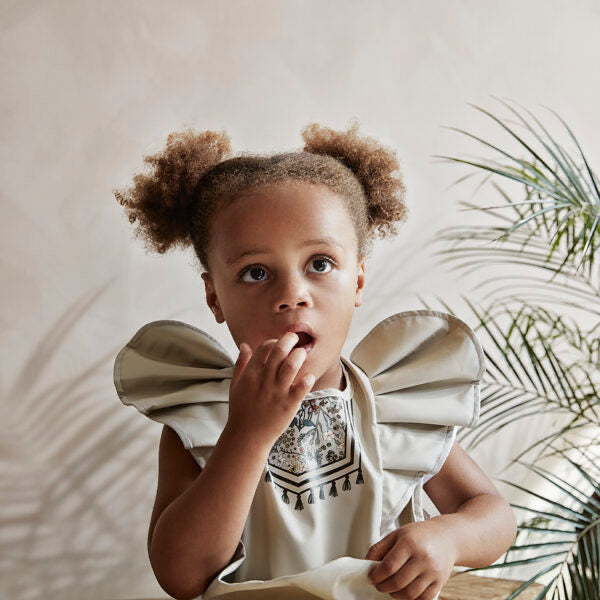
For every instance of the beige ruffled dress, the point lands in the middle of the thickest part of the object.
(350, 467)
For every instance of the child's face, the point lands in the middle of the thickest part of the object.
(288, 282)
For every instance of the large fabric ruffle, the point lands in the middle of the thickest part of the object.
(424, 368)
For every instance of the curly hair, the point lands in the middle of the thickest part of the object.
(194, 176)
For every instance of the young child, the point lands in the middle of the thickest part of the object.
(296, 472)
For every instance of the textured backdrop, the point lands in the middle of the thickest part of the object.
(88, 88)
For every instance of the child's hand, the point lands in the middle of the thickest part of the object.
(264, 396)
(416, 560)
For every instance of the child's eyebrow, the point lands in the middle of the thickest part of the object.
(325, 240)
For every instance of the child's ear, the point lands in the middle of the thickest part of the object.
(211, 298)
(360, 281)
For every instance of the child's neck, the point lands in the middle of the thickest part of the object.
(327, 381)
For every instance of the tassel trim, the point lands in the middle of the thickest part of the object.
(333, 492)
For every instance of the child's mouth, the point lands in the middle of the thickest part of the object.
(305, 341)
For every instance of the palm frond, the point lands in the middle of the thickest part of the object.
(535, 365)
(574, 530)
(569, 192)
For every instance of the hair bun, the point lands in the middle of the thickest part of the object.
(160, 200)
(372, 164)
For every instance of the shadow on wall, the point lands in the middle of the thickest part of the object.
(78, 478)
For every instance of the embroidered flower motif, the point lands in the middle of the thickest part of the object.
(316, 447)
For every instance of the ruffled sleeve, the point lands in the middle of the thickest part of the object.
(425, 369)
(178, 375)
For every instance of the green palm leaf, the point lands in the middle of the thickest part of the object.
(573, 534)
(539, 360)
(569, 192)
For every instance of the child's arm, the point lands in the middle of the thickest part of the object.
(199, 514)
(197, 533)
(478, 518)
(475, 527)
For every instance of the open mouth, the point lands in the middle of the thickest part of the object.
(305, 341)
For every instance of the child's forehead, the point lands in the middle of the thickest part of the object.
(270, 219)
(264, 210)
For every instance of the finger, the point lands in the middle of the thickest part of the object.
(378, 551)
(413, 589)
(394, 560)
(290, 366)
(242, 360)
(269, 346)
(261, 354)
(300, 389)
(430, 591)
(407, 578)
(279, 352)
(292, 383)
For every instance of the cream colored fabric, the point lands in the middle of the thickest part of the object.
(327, 493)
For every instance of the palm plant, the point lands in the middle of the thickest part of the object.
(540, 336)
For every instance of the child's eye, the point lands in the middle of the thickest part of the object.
(257, 270)
(323, 260)
(251, 269)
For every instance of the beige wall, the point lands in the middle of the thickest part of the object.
(88, 88)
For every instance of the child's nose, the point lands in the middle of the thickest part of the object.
(292, 291)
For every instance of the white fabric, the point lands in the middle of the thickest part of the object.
(410, 382)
